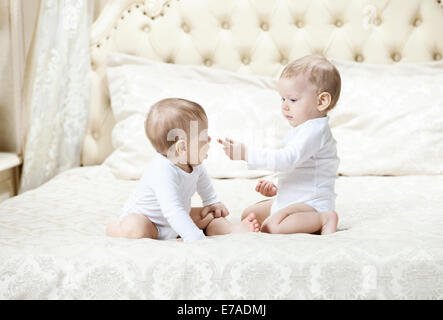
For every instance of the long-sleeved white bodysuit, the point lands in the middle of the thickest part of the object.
(164, 194)
(307, 166)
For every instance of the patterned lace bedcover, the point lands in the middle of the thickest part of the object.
(389, 246)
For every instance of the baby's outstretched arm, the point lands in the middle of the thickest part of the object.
(234, 150)
(297, 151)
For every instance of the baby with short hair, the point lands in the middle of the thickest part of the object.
(160, 205)
(305, 199)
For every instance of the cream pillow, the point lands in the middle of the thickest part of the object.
(240, 107)
(389, 119)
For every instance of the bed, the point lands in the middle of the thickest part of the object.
(389, 243)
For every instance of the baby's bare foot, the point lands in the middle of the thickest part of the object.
(330, 221)
(265, 226)
(248, 224)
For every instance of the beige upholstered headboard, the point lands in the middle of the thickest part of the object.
(255, 37)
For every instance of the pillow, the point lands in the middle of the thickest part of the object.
(241, 107)
(389, 119)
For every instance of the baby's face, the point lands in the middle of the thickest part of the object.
(199, 145)
(299, 100)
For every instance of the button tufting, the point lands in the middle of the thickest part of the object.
(284, 61)
(377, 21)
(437, 56)
(246, 60)
(299, 24)
(396, 57)
(338, 23)
(264, 26)
(95, 135)
(225, 25)
(417, 22)
(186, 28)
(146, 28)
(208, 62)
(359, 58)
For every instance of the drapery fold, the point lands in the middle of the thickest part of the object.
(60, 91)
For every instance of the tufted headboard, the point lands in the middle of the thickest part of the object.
(254, 37)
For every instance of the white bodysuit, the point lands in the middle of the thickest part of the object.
(164, 194)
(307, 166)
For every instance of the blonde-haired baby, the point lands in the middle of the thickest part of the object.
(160, 205)
(307, 165)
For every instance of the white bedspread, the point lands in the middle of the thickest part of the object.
(389, 246)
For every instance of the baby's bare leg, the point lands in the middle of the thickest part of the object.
(113, 228)
(300, 218)
(218, 226)
(133, 226)
(261, 209)
(201, 223)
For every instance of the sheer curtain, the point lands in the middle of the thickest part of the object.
(60, 90)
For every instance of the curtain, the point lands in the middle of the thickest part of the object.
(60, 90)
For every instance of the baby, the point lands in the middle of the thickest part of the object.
(160, 205)
(305, 199)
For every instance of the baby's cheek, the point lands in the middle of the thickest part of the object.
(205, 146)
(204, 151)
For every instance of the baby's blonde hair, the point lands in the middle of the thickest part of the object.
(169, 114)
(322, 74)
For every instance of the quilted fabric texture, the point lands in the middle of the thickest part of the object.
(389, 246)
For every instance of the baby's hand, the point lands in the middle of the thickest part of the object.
(234, 150)
(266, 188)
(217, 209)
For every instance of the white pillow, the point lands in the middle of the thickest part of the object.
(389, 119)
(243, 108)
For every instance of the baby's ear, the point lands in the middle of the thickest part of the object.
(323, 101)
(180, 146)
